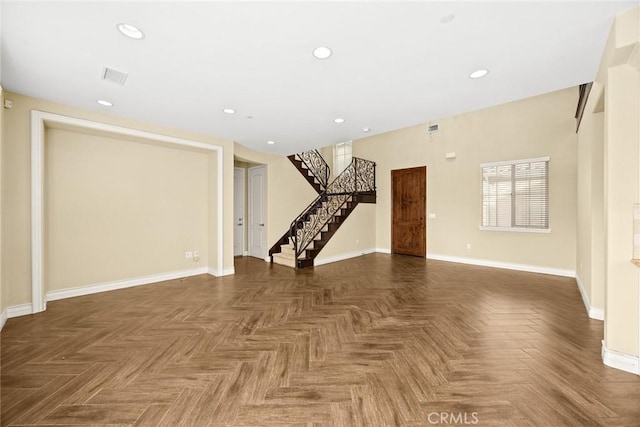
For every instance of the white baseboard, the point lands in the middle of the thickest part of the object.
(342, 257)
(505, 265)
(593, 312)
(226, 272)
(383, 250)
(15, 311)
(596, 313)
(19, 310)
(121, 284)
(624, 362)
(3, 318)
(245, 253)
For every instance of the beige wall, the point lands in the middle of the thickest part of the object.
(590, 214)
(622, 158)
(356, 235)
(3, 304)
(533, 127)
(16, 246)
(609, 185)
(212, 218)
(117, 209)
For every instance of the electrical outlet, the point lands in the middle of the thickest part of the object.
(196, 254)
(468, 245)
(188, 254)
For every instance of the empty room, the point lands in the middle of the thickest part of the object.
(314, 213)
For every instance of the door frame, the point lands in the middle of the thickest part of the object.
(426, 170)
(251, 210)
(243, 183)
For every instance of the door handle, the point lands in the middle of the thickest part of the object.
(261, 225)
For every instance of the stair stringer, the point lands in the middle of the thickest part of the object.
(319, 184)
(287, 257)
(355, 184)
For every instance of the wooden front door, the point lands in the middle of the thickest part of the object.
(409, 204)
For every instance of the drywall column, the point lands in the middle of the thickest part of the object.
(622, 190)
(227, 214)
(212, 218)
(584, 204)
(590, 225)
(597, 215)
(2, 305)
(2, 318)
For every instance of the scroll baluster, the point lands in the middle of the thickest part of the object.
(358, 177)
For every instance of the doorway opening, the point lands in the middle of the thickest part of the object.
(249, 206)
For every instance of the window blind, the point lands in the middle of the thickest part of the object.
(515, 194)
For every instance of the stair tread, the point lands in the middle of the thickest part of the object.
(306, 173)
(347, 202)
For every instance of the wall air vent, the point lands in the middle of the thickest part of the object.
(432, 128)
(114, 76)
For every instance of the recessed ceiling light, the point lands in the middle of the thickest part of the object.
(131, 31)
(105, 103)
(271, 142)
(322, 52)
(478, 73)
(365, 130)
(447, 18)
(338, 120)
(229, 111)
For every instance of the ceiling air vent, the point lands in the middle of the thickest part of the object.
(114, 76)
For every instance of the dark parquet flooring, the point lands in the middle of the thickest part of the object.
(378, 340)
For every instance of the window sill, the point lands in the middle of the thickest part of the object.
(517, 229)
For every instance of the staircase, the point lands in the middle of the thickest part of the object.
(313, 168)
(313, 228)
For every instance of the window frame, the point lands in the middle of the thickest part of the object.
(342, 156)
(513, 228)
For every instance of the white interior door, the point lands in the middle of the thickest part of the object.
(238, 211)
(257, 212)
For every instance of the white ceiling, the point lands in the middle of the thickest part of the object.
(394, 64)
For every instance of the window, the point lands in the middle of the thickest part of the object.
(341, 157)
(515, 195)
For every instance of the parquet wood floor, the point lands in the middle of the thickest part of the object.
(378, 340)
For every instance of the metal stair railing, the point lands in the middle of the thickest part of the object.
(314, 162)
(358, 177)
